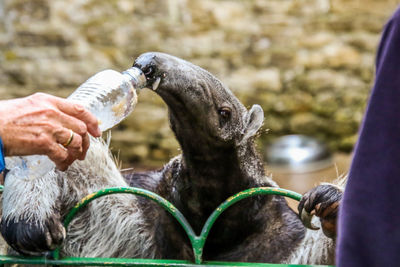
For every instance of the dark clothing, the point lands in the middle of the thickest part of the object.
(369, 220)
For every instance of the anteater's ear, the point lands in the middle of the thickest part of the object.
(253, 121)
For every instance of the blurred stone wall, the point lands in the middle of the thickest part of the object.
(308, 63)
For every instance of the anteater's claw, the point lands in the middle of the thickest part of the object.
(306, 218)
(322, 201)
(31, 238)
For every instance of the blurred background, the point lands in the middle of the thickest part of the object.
(308, 63)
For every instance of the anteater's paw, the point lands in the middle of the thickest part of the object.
(322, 201)
(30, 238)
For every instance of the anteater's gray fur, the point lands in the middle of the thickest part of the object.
(216, 133)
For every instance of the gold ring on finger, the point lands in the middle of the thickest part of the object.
(71, 137)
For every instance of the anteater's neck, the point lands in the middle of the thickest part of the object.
(211, 175)
(207, 180)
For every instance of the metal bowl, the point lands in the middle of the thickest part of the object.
(298, 153)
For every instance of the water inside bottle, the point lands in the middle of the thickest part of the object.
(109, 95)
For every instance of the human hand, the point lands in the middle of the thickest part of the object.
(41, 123)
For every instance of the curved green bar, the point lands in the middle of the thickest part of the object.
(242, 195)
(121, 262)
(232, 200)
(130, 190)
(196, 241)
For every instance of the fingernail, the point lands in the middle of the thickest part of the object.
(79, 108)
(98, 128)
(98, 132)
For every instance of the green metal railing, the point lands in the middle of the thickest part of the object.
(197, 241)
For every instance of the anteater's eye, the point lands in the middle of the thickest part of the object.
(148, 71)
(225, 112)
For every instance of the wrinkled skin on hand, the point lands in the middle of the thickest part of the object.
(39, 123)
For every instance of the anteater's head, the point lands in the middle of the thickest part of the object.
(202, 110)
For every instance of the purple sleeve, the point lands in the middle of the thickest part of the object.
(369, 218)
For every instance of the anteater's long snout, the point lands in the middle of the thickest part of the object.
(148, 63)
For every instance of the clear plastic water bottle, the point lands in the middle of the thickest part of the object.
(109, 95)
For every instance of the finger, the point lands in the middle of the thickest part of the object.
(318, 210)
(72, 123)
(306, 219)
(79, 112)
(70, 159)
(63, 166)
(300, 207)
(308, 204)
(329, 210)
(75, 148)
(80, 143)
(329, 228)
(302, 204)
(305, 216)
(68, 139)
(56, 229)
(85, 146)
(314, 199)
(58, 155)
